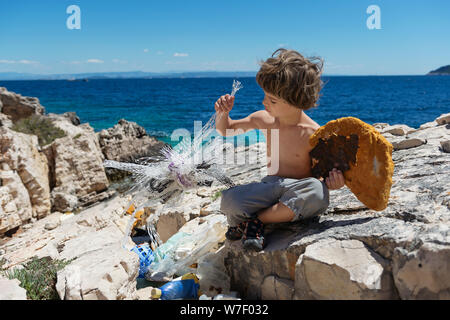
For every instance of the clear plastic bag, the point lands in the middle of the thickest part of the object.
(186, 248)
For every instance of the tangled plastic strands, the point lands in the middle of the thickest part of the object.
(188, 164)
(186, 156)
(237, 85)
(205, 132)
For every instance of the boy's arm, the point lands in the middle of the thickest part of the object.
(229, 127)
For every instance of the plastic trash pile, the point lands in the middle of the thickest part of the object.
(190, 261)
(192, 253)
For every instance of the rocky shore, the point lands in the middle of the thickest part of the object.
(64, 175)
(56, 202)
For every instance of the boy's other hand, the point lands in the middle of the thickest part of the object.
(224, 103)
(335, 180)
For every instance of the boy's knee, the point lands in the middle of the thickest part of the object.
(229, 203)
(308, 200)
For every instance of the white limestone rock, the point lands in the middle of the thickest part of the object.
(423, 273)
(11, 290)
(20, 152)
(342, 270)
(398, 130)
(18, 107)
(78, 167)
(127, 141)
(108, 273)
(445, 146)
(443, 119)
(407, 143)
(15, 204)
(275, 288)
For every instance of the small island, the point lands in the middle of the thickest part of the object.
(440, 71)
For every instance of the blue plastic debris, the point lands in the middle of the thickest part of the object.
(146, 257)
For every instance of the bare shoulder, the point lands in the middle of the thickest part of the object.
(309, 124)
(262, 118)
(308, 129)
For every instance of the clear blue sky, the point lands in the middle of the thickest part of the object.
(159, 36)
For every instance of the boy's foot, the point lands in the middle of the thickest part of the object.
(254, 235)
(235, 233)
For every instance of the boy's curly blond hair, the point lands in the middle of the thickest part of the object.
(292, 77)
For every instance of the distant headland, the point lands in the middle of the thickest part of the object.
(441, 71)
(125, 75)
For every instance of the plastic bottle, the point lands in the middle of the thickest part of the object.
(168, 247)
(146, 257)
(186, 288)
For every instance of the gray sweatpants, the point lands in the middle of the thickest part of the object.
(306, 197)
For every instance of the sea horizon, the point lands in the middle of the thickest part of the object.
(170, 75)
(162, 105)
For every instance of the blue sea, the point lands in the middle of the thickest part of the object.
(163, 105)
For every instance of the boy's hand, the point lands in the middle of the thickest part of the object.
(224, 103)
(335, 180)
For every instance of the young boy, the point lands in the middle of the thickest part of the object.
(291, 84)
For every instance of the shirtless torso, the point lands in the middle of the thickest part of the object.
(293, 160)
(286, 128)
(288, 154)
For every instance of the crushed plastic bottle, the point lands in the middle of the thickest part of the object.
(185, 288)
